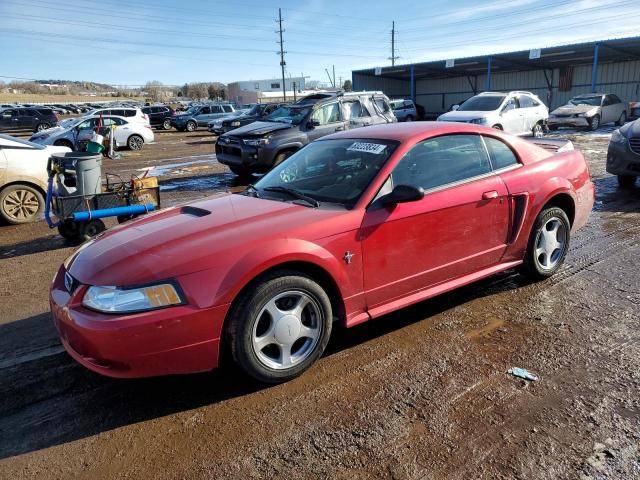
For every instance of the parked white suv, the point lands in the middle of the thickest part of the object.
(135, 115)
(519, 113)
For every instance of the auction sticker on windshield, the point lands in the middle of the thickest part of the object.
(376, 148)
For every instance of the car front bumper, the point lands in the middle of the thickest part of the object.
(175, 340)
(622, 159)
(236, 154)
(567, 121)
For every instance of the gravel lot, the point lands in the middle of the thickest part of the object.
(420, 394)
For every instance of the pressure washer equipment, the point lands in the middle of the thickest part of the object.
(78, 198)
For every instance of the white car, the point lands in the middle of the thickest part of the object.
(518, 113)
(130, 113)
(73, 132)
(23, 178)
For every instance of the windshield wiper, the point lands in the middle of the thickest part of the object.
(251, 188)
(294, 193)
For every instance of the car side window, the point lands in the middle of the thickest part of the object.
(525, 101)
(441, 161)
(511, 104)
(501, 155)
(87, 124)
(8, 113)
(615, 99)
(329, 113)
(204, 111)
(382, 105)
(354, 109)
(227, 108)
(606, 101)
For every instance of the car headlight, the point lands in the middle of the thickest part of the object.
(477, 120)
(617, 137)
(235, 124)
(256, 142)
(136, 299)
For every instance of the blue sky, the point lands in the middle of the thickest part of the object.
(128, 42)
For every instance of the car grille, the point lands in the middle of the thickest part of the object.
(230, 146)
(634, 143)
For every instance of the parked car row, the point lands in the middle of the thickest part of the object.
(261, 145)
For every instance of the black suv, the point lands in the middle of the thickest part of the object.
(261, 145)
(160, 116)
(257, 112)
(27, 119)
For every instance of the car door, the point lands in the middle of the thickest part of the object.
(607, 110)
(616, 107)
(8, 120)
(324, 120)
(3, 167)
(204, 116)
(459, 227)
(528, 112)
(511, 117)
(25, 119)
(383, 110)
(122, 130)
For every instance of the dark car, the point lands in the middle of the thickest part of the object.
(623, 156)
(160, 116)
(257, 112)
(27, 119)
(261, 145)
(200, 116)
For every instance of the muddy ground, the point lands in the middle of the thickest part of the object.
(420, 394)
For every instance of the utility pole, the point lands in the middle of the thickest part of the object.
(282, 52)
(294, 91)
(393, 57)
(328, 75)
(334, 76)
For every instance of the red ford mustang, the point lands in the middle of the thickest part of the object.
(351, 227)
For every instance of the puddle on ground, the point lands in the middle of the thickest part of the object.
(167, 168)
(219, 182)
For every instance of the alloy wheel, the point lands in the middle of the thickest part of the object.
(287, 329)
(20, 205)
(551, 242)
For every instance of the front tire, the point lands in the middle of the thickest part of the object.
(41, 126)
(20, 204)
(497, 127)
(594, 122)
(166, 125)
(239, 171)
(626, 181)
(409, 118)
(281, 157)
(280, 327)
(537, 131)
(191, 126)
(548, 244)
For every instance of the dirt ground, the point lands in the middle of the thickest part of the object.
(420, 394)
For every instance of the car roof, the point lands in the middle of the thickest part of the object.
(588, 95)
(406, 131)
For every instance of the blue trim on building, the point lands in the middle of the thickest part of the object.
(594, 68)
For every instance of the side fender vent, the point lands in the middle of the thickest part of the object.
(518, 207)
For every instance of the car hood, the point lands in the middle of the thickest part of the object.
(260, 128)
(242, 118)
(574, 109)
(458, 116)
(631, 130)
(200, 236)
(226, 117)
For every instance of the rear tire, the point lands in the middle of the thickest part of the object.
(41, 126)
(497, 127)
(166, 124)
(626, 181)
(20, 204)
(409, 118)
(280, 327)
(548, 244)
(135, 142)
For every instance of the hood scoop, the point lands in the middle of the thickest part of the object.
(194, 211)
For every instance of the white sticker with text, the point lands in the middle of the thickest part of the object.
(374, 148)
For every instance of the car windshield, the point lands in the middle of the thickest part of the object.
(289, 114)
(395, 105)
(482, 103)
(255, 110)
(192, 110)
(20, 141)
(594, 101)
(328, 171)
(68, 122)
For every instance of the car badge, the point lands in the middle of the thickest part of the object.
(348, 256)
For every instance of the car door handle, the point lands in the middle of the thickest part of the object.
(490, 195)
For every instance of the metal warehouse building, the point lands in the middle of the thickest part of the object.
(555, 74)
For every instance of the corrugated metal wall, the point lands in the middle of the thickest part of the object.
(622, 78)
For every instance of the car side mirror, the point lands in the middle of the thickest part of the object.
(455, 107)
(403, 194)
(313, 123)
